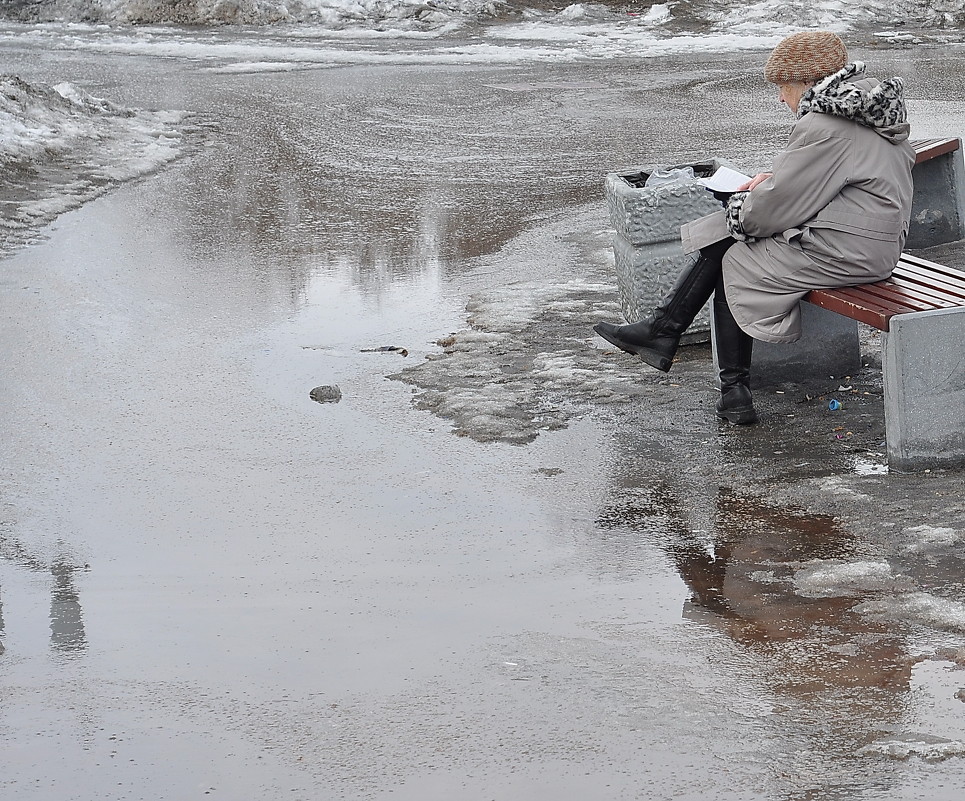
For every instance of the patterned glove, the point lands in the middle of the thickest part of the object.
(733, 214)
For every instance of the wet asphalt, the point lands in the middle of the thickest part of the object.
(508, 564)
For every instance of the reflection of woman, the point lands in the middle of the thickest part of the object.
(751, 584)
(834, 211)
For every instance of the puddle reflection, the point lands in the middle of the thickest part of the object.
(67, 633)
(66, 618)
(834, 680)
(747, 578)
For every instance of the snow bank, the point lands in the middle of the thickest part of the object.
(333, 13)
(60, 146)
(731, 16)
(325, 33)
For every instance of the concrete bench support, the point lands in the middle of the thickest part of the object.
(938, 205)
(829, 346)
(924, 379)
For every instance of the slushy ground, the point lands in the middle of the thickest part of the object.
(511, 564)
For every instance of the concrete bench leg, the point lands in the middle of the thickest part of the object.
(828, 347)
(924, 377)
(938, 206)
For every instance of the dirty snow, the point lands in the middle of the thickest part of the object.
(488, 381)
(928, 750)
(333, 13)
(833, 578)
(926, 539)
(60, 146)
(768, 16)
(921, 608)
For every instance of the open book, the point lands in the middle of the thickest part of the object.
(724, 180)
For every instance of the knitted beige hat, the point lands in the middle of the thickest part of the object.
(804, 57)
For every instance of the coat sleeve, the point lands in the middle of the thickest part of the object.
(807, 176)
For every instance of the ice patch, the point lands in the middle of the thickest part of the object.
(931, 749)
(925, 538)
(918, 607)
(839, 485)
(60, 146)
(833, 578)
(866, 467)
(498, 381)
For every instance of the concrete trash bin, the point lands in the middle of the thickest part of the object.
(646, 243)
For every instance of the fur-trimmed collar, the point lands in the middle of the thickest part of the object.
(847, 93)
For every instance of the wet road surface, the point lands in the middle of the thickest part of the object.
(520, 568)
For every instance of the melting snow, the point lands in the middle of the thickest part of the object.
(919, 607)
(493, 388)
(927, 539)
(832, 578)
(60, 147)
(333, 13)
(930, 750)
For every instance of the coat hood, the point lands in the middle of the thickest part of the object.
(849, 94)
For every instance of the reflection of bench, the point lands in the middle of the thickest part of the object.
(920, 309)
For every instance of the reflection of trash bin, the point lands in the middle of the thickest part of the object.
(646, 246)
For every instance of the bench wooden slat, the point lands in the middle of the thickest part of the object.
(901, 294)
(927, 149)
(914, 268)
(937, 291)
(834, 300)
(877, 298)
(916, 285)
(920, 264)
(946, 282)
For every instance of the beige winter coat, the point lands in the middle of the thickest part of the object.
(834, 213)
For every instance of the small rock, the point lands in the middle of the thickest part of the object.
(330, 394)
(549, 471)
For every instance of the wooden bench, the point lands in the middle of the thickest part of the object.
(921, 310)
(916, 285)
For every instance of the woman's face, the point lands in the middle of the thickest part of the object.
(791, 94)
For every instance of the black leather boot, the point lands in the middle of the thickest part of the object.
(656, 337)
(734, 350)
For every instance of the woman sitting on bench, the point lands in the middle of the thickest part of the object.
(833, 212)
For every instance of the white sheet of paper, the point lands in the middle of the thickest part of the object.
(724, 180)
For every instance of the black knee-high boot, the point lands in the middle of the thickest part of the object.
(656, 337)
(734, 351)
